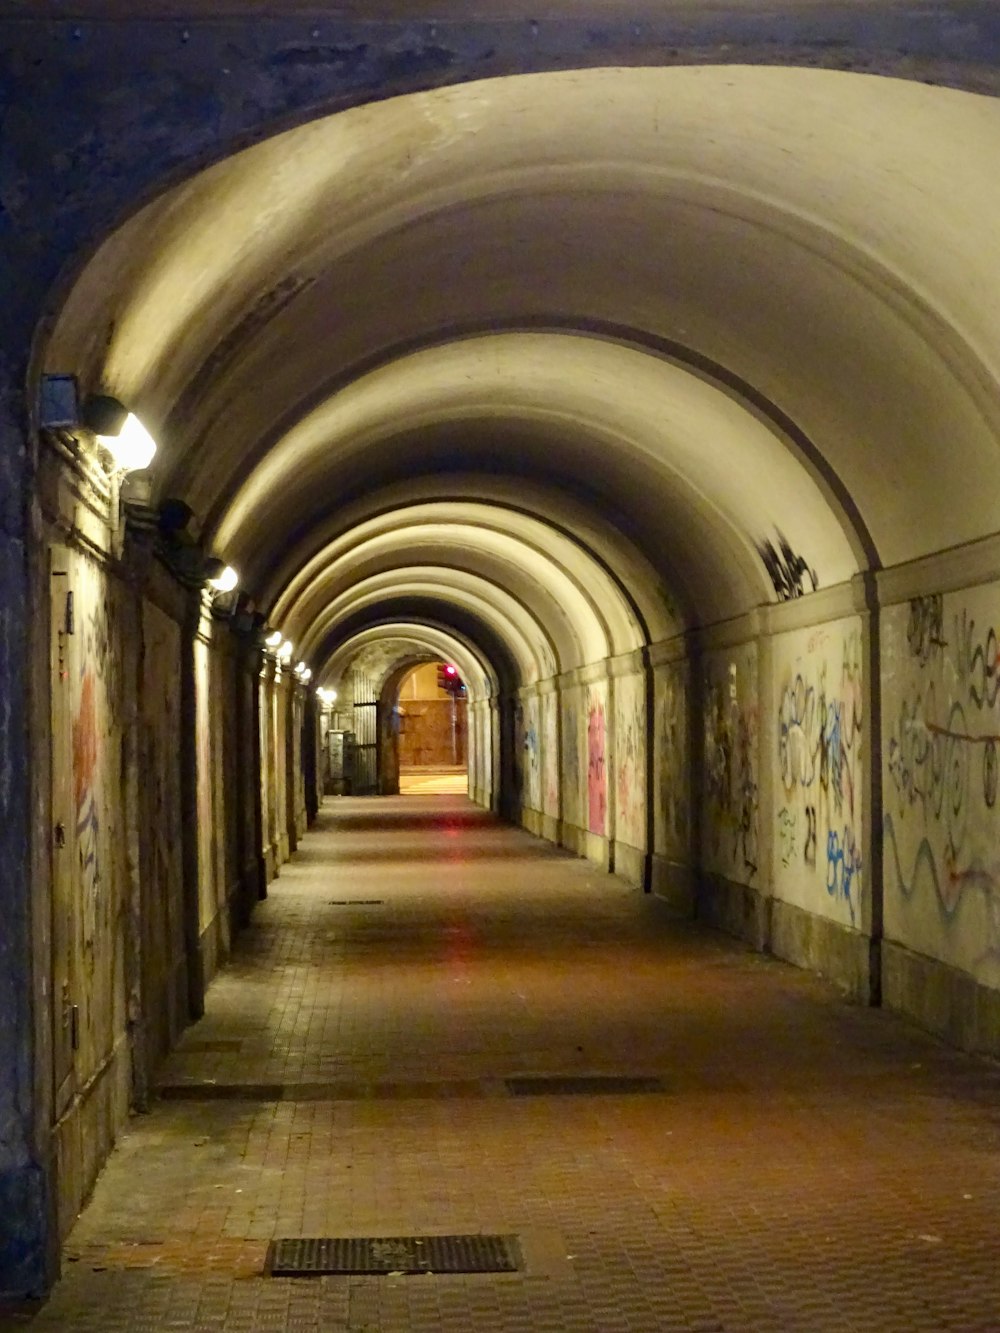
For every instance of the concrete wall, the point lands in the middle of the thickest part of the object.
(729, 772)
(940, 746)
(146, 829)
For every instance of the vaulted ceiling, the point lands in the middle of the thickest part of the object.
(559, 354)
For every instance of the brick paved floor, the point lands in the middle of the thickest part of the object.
(807, 1166)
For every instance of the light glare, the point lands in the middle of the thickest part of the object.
(226, 581)
(133, 447)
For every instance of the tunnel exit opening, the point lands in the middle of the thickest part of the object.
(430, 716)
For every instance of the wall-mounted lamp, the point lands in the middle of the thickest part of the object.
(273, 640)
(326, 697)
(120, 432)
(285, 652)
(225, 581)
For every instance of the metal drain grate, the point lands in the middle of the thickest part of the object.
(220, 1047)
(393, 1254)
(356, 902)
(582, 1085)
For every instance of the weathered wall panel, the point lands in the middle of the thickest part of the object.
(550, 754)
(161, 864)
(573, 766)
(671, 768)
(730, 765)
(818, 746)
(941, 755)
(597, 758)
(630, 760)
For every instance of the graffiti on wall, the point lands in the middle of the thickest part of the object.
(786, 569)
(943, 757)
(730, 768)
(630, 762)
(94, 697)
(597, 777)
(85, 755)
(671, 736)
(572, 791)
(820, 717)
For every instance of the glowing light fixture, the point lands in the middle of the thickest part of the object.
(273, 640)
(120, 432)
(300, 668)
(285, 652)
(307, 675)
(226, 581)
(326, 697)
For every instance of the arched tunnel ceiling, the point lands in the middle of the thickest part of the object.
(712, 300)
(583, 609)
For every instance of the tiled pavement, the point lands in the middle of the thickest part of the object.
(807, 1166)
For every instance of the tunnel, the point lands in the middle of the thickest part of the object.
(640, 370)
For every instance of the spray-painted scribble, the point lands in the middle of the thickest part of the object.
(786, 570)
(843, 863)
(951, 889)
(730, 768)
(672, 762)
(809, 848)
(630, 761)
(787, 835)
(597, 777)
(85, 758)
(571, 762)
(819, 738)
(943, 757)
(925, 629)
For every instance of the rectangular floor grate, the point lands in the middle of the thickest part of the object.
(220, 1047)
(581, 1085)
(356, 902)
(347, 1255)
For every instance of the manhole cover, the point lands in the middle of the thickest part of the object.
(569, 1085)
(393, 1254)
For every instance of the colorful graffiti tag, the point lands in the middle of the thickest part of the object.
(943, 761)
(819, 735)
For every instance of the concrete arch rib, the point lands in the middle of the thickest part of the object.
(630, 422)
(575, 534)
(526, 641)
(424, 642)
(583, 609)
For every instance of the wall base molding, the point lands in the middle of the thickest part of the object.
(630, 863)
(836, 952)
(941, 998)
(674, 883)
(734, 908)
